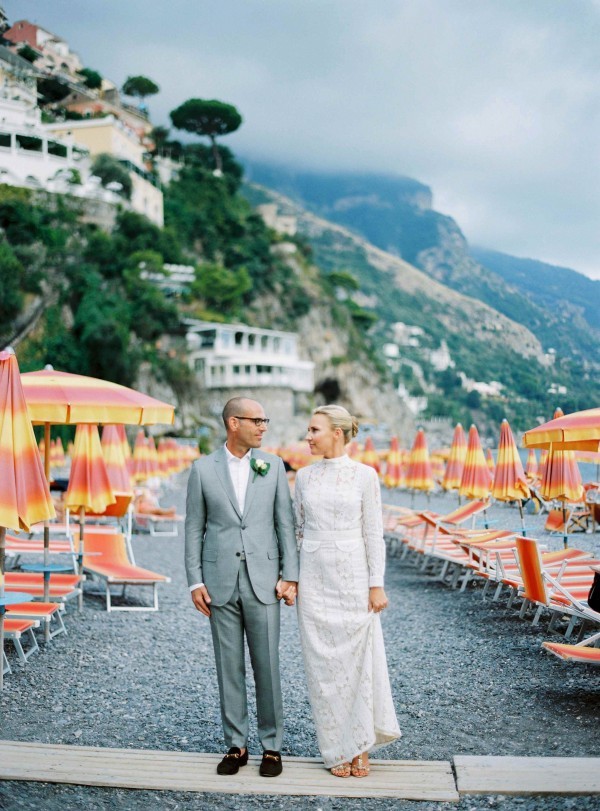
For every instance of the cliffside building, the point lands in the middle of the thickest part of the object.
(111, 135)
(238, 356)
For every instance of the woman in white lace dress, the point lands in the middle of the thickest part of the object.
(340, 595)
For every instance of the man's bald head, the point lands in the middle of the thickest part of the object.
(237, 407)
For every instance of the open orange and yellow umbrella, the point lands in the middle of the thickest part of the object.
(116, 466)
(510, 483)
(476, 478)
(24, 495)
(456, 460)
(68, 399)
(370, 456)
(418, 474)
(394, 471)
(577, 432)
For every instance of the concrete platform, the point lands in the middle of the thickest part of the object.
(392, 779)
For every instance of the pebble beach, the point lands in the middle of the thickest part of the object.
(468, 677)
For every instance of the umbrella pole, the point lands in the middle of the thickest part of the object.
(46, 522)
(2, 608)
(80, 556)
(565, 533)
(523, 530)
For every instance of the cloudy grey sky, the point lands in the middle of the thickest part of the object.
(494, 103)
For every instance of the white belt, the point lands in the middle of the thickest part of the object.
(333, 535)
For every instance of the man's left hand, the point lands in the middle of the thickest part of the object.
(286, 590)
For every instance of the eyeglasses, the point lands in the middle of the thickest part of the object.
(258, 421)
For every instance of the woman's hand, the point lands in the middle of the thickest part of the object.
(377, 599)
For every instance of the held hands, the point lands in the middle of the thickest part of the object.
(201, 599)
(287, 591)
(377, 599)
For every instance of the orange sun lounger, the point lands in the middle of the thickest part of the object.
(40, 612)
(105, 558)
(15, 630)
(583, 652)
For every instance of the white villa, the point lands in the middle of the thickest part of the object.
(228, 356)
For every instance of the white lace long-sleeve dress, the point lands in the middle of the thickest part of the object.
(342, 554)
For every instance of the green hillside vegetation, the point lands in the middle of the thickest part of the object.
(103, 318)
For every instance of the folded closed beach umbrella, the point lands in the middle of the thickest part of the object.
(394, 471)
(370, 456)
(24, 495)
(489, 458)
(531, 468)
(418, 474)
(116, 466)
(476, 479)
(89, 486)
(510, 482)
(456, 460)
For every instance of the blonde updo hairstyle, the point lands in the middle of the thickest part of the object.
(340, 418)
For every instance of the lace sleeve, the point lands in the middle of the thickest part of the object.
(372, 528)
(298, 511)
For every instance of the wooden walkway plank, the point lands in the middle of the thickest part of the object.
(188, 771)
(527, 775)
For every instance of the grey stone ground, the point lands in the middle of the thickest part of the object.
(468, 678)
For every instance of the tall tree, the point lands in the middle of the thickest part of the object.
(207, 117)
(140, 86)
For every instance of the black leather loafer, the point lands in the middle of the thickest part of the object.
(271, 765)
(232, 761)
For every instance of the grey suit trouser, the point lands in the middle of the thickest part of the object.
(244, 613)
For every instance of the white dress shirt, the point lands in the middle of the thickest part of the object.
(239, 471)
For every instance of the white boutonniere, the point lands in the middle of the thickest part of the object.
(260, 467)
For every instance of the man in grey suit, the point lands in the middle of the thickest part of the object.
(241, 559)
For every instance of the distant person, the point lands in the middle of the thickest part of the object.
(340, 596)
(241, 559)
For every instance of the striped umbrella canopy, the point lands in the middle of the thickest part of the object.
(89, 484)
(67, 399)
(531, 468)
(418, 475)
(141, 458)
(543, 460)
(577, 432)
(456, 460)
(510, 482)
(70, 449)
(438, 468)
(370, 456)
(24, 494)
(153, 457)
(163, 458)
(476, 478)
(394, 471)
(125, 447)
(116, 466)
(489, 458)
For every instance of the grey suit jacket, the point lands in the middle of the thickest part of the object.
(216, 533)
